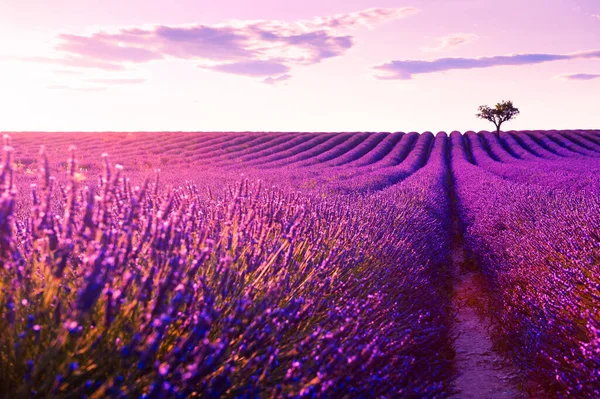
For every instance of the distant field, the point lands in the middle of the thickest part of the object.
(298, 264)
(342, 154)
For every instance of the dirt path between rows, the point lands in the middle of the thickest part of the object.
(482, 372)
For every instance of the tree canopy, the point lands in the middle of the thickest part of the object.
(502, 112)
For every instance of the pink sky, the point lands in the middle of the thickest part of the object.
(274, 65)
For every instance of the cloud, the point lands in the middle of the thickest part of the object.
(118, 81)
(404, 70)
(197, 42)
(255, 41)
(578, 76)
(96, 47)
(74, 62)
(255, 48)
(597, 16)
(255, 68)
(272, 81)
(452, 41)
(367, 18)
(586, 54)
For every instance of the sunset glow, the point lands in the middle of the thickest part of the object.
(268, 65)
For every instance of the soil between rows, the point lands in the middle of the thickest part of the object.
(481, 371)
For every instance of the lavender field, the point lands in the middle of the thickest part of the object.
(300, 265)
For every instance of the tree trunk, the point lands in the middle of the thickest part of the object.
(498, 131)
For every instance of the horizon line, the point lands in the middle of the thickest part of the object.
(8, 132)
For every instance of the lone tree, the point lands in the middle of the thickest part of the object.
(501, 113)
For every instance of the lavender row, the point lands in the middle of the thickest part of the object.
(538, 245)
(119, 290)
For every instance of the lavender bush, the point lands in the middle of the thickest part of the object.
(116, 290)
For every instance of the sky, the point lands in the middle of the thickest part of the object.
(311, 65)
